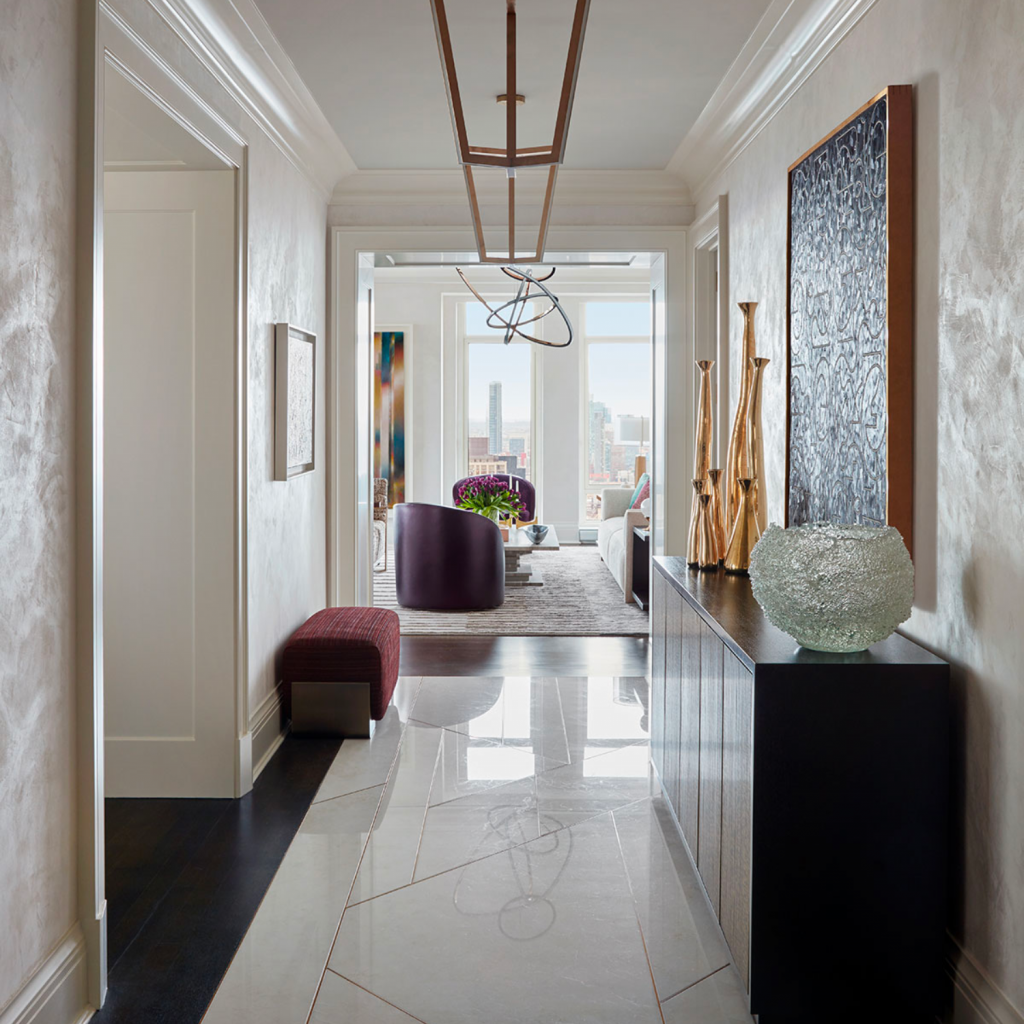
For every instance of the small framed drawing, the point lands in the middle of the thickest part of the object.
(294, 401)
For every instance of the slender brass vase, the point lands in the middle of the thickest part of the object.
(735, 465)
(693, 538)
(717, 513)
(707, 544)
(755, 444)
(701, 450)
(745, 532)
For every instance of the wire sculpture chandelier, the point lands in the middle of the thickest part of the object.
(512, 156)
(510, 315)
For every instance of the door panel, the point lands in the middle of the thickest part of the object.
(170, 671)
(689, 727)
(737, 809)
(709, 856)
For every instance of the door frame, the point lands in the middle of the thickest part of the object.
(106, 40)
(350, 262)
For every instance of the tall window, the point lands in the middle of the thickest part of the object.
(617, 410)
(499, 399)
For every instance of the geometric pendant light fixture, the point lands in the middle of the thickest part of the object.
(512, 157)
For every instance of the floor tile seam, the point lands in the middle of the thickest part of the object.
(355, 874)
(426, 810)
(370, 992)
(561, 715)
(636, 914)
(478, 860)
(351, 792)
(686, 988)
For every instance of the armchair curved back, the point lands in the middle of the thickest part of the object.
(447, 559)
(519, 484)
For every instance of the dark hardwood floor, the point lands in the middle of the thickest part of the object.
(184, 881)
(525, 656)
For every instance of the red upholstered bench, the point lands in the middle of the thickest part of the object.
(342, 665)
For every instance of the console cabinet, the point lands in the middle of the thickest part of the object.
(811, 791)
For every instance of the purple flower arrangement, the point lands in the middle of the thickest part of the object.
(492, 497)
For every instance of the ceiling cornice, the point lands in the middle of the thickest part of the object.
(235, 42)
(789, 43)
(448, 188)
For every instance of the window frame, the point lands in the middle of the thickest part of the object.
(586, 340)
(463, 341)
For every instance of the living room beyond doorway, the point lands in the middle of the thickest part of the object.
(562, 434)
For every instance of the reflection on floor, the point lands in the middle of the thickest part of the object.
(493, 853)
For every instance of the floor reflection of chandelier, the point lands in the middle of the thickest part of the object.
(510, 315)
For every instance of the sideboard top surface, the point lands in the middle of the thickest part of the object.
(728, 606)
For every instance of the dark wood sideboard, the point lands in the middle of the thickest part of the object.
(812, 793)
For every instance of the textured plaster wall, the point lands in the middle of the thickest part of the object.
(37, 701)
(287, 525)
(964, 57)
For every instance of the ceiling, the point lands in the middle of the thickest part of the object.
(648, 69)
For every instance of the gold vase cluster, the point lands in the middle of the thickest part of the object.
(725, 528)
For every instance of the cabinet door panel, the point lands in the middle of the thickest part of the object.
(673, 670)
(709, 855)
(737, 809)
(689, 727)
(656, 711)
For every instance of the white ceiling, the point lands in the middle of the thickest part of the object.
(648, 69)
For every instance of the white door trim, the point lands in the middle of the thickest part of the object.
(106, 39)
(348, 244)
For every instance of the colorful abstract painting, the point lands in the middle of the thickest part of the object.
(389, 411)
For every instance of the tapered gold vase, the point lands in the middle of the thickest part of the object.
(693, 539)
(707, 543)
(755, 444)
(745, 531)
(717, 513)
(701, 455)
(735, 466)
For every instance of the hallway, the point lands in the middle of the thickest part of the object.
(497, 851)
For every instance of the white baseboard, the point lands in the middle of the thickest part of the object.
(976, 997)
(57, 993)
(268, 726)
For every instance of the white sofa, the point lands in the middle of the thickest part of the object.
(615, 535)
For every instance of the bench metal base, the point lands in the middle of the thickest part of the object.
(332, 709)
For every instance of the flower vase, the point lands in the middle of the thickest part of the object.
(755, 444)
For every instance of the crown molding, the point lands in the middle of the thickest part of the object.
(235, 42)
(448, 188)
(784, 50)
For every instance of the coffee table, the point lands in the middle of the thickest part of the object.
(519, 544)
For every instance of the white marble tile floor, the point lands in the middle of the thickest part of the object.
(496, 852)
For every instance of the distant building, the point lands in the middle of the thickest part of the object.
(478, 447)
(600, 417)
(516, 445)
(494, 439)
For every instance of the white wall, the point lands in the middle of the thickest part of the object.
(287, 281)
(964, 58)
(37, 695)
(418, 299)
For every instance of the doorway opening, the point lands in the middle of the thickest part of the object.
(570, 431)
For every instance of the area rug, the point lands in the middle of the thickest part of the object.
(579, 598)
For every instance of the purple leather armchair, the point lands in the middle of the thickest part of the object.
(519, 484)
(447, 559)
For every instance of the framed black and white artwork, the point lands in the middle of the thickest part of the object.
(294, 402)
(850, 322)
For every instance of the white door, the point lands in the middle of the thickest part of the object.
(169, 621)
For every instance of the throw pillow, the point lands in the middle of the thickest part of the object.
(645, 492)
(644, 479)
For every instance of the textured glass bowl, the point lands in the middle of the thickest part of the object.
(831, 587)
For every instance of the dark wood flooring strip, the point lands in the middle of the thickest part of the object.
(524, 656)
(189, 894)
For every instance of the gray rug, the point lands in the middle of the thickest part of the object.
(579, 598)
